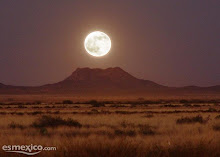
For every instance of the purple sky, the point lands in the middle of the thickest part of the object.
(171, 42)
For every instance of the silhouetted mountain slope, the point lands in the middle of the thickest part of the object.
(105, 78)
(105, 81)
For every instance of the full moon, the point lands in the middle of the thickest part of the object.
(97, 44)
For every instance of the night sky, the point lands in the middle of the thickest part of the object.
(171, 42)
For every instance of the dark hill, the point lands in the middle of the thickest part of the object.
(110, 81)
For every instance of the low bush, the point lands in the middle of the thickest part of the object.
(196, 105)
(196, 119)
(19, 113)
(67, 102)
(37, 102)
(212, 110)
(95, 103)
(119, 132)
(170, 105)
(3, 113)
(183, 101)
(146, 130)
(48, 121)
(187, 105)
(47, 106)
(117, 105)
(122, 112)
(44, 131)
(217, 117)
(35, 113)
(35, 107)
(148, 116)
(56, 112)
(94, 111)
(125, 124)
(14, 126)
(216, 127)
(21, 106)
(216, 104)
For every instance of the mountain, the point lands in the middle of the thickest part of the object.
(1, 85)
(86, 80)
(110, 77)
(110, 81)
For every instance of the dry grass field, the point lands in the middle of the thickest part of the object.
(113, 128)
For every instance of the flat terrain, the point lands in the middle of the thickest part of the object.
(134, 127)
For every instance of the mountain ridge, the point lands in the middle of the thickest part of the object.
(109, 80)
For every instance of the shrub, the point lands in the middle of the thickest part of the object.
(217, 117)
(216, 127)
(125, 124)
(56, 112)
(14, 125)
(76, 107)
(95, 103)
(43, 131)
(21, 106)
(3, 113)
(67, 102)
(48, 121)
(123, 112)
(19, 113)
(216, 104)
(148, 116)
(131, 133)
(211, 109)
(35, 107)
(196, 105)
(146, 130)
(170, 105)
(94, 111)
(187, 105)
(37, 102)
(117, 105)
(35, 113)
(183, 101)
(119, 132)
(196, 119)
(10, 99)
(133, 105)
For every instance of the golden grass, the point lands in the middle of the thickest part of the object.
(141, 130)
